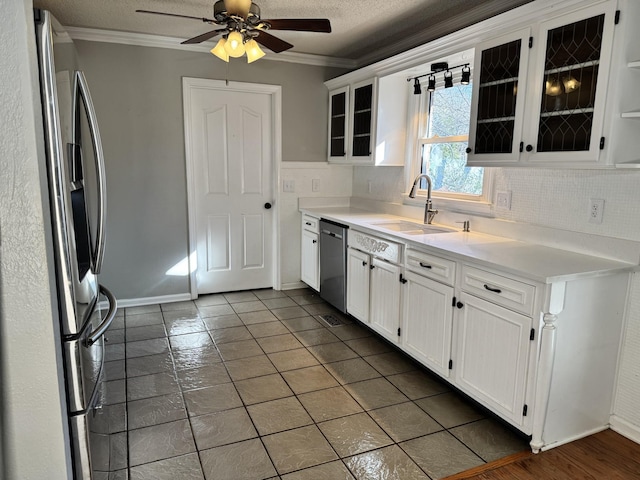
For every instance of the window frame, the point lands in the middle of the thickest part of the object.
(419, 106)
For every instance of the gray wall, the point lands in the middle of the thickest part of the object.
(32, 403)
(137, 92)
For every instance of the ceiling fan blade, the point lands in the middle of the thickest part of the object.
(272, 43)
(203, 37)
(301, 24)
(202, 19)
(238, 7)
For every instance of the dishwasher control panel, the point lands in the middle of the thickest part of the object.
(377, 247)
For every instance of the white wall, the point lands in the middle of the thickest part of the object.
(32, 397)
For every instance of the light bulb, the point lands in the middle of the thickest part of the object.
(235, 45)
(219, 50)
(254, 52)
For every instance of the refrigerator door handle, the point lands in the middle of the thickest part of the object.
(83, 90)
(100, 330)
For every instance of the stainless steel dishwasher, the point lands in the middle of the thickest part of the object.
(333, 263)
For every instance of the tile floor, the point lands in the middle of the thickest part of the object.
(251, 385)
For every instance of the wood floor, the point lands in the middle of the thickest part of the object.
(603, 456)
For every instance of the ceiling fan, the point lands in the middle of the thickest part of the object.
(242, 29)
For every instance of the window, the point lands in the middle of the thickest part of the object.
(443, 136)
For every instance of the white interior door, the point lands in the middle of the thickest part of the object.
(229, 136)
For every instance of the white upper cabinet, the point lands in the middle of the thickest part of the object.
(540, 100)
(352, 120)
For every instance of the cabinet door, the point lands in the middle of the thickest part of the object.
(338, 124)
(569, 96)
(309, 260)
(492, 354)
(426, 322)
(385, 299)
(358, 266)
(362, 121)
(500, 73)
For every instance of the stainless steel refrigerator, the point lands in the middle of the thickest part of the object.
(77, 188)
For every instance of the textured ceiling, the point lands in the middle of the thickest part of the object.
(361, 28)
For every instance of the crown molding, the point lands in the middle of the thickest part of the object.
(158, 41)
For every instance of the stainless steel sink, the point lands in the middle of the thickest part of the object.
(410, 228)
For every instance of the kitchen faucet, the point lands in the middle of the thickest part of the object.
(429, 213)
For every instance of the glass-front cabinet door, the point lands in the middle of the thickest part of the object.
(570, 97)
(500, 73)
(338, 123)
(362, 120)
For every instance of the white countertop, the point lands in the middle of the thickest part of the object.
(537, 262)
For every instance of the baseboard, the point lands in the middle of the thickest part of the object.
(625, 428)
(138, 302)
(293, 285)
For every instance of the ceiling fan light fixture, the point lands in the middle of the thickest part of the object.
(219, 50)
(234, 45)
(254, 52)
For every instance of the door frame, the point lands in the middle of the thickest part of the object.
(275, 91)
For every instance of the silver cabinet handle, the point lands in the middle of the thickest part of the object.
(83, 90)
(111, 314)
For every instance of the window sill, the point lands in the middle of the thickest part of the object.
(481, 208)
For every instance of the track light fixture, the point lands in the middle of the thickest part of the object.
(465, 77)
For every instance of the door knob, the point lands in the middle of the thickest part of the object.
(459, 304)
(529, 148)
(267, 205)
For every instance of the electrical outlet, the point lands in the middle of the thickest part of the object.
(503, 200)
(596, 210)
(288, 186)
(315, 185)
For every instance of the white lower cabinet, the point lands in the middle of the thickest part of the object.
(426, 322)
(384, 315)
(358, 265)
(492, 355)
(309, 272)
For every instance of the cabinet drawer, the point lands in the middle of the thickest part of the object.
(431, 266)
(310, 223)
(504, 291)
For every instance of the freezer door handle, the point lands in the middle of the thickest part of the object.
(94, 336)
(83, 90)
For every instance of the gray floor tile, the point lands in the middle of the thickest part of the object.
(185, 306)
(301, 323)
(268, 293)
(391, 363)
(289, 312)
(196, 357)
(263, 389)
(180, 315)
(332, 352)
(239, 297)
(317, 336)
(279, 343)
(236, 350)
(114, 370)
(184, 326)
(329, 403)
(231, 334)
(156, 410)
(350, 371)
(114, 336)
(354, 434)
(300, 448)
(206, 376)
(115, 392)
(441, 454)
(375, 393)
(114, 352)
(186, 467)
(262, 316)
(223, 321)
(389, 463)
(246, 460)
(418, 384)
(351, 332)
(332, 470)
(132, 321)
(147, 347)
(319, 308)
(489, 439)
(215, 310)
(309, 379)
(118, 458)
(149, 365)
(405, 421)
(131, 311)
(279, 302)
(279, 415)
(246, 307)
(368, 346)
(222, 428)
(190, 340)
(160, 441)
(151, 385)
(145, 333)
(450, 409)
(307, 299)
(250, 367)
(292, 359)
(267, 329)
(299, 291)
(208, 300)
(212, 399)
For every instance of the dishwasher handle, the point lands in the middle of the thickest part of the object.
(331, 234)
